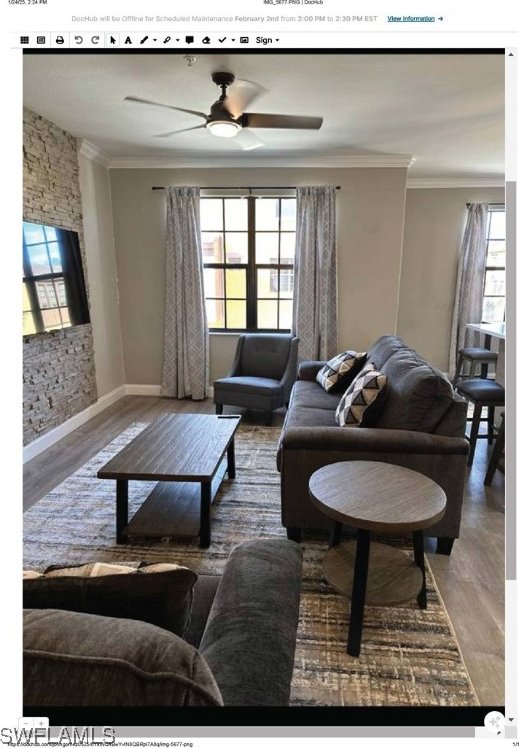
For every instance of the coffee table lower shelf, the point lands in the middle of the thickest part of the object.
(393, 576)
(174, 509)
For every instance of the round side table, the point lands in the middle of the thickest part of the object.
(386, 499)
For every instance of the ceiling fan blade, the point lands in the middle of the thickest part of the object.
(282, 121)
(166, 106)
(241, 95)
(248, 141)
(176, 132)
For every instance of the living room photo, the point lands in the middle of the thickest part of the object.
(264, 391)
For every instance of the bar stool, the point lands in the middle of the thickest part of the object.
(483, 393)
(497, 452)
(481, 356)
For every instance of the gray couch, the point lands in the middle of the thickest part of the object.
(237, 651)
(421, 426)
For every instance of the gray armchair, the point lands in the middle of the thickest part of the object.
(262, 373)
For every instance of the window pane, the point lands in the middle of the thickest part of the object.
(55, 257)
(50, 234)
(493, 309)
(288, 247)
(236, 214)
(33, 233)
(51, 319)
(267, 315)
(267, 249)
(267, 214)
(59, 285)
(26, 302)
(495, 283)
(288, 214)
(285, 315)
(211, 214)
(236, 247)
(267, 283)
(39, 259)
(29, 328)
(46, 294)
(236, 281)
(286, 283)
(496, 254)
(65, 317)
(213, 283)
(212, 247)
(497, 224)
(236, 315)
(215, 313)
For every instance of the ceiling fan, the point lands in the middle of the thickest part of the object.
(227, 117)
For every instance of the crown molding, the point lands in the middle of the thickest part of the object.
(91, 151)
(453, 182)
(379, 161)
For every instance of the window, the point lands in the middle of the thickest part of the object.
(248, 246)
(494, 288)
(54, 292)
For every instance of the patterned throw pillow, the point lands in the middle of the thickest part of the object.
(339, 371)
(362, 401)
(159, 593)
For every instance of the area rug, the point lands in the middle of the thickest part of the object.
(409, 657)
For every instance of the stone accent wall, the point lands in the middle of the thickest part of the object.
(58, 367)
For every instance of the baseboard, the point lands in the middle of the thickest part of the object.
(51, 437)
(151, 390)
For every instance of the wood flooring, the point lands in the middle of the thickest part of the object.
(471, 580)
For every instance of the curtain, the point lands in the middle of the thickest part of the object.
(186, 362)
(315, 274)
(468, 301)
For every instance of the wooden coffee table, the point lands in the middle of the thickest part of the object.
(386, 499)
(180, 452)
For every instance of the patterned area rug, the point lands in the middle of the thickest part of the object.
(409, 657)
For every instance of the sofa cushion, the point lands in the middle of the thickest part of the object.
(77, 659)
(382, 350)
(264, 355)
(338, 373)
(418, 394)
(161, 594)
(248, 385)
(311, 395)
(363, 400)
(302, 416)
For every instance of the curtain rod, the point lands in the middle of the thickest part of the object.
(491, 205)
(274, 187)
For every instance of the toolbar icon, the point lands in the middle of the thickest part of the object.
(244, 39)
(190, 39)
(40, 40)
(78, 39)
(206, 40)
(60, 40)
(144, 39)
(166, 40)
(113, 39)
(128, 40)
(95, 39)
(24, 40)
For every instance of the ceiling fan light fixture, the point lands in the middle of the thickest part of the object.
(223, 128)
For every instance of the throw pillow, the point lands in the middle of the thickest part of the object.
(161, 594)
(339, 371)
(361, 403)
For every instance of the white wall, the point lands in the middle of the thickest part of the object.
(102, 274)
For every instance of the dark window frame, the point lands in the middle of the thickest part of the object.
(251, 267)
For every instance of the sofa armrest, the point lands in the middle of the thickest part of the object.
(308, 370)
(250, 637)
(331, 438)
